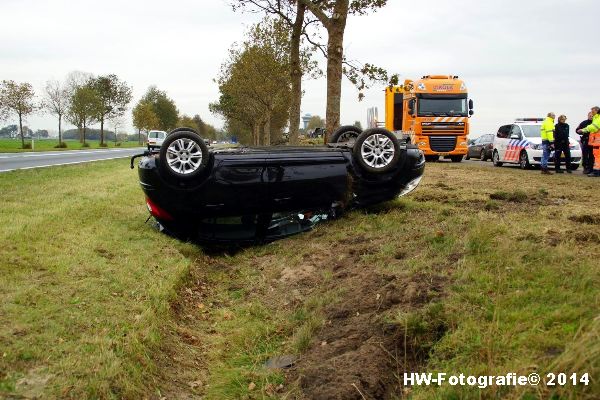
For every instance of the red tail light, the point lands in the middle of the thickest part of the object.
(158, 212)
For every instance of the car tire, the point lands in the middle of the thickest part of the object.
(456, 159)
(482, 156)
(496, 159)
(183, 155)
(377, 150)
(524, 160)
(345, 134)
(467, 157)
(574, 167)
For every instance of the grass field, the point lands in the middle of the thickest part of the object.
(469, 274)
(14, 145)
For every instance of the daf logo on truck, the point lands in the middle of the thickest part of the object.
(438, 122)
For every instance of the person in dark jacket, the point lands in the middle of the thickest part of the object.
(587, 155)
(561, 144)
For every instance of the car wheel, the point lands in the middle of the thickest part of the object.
(468, 156)
(524, 160)
(482, 156)
(456, 158)
(496, 159)
(345, 134)
(574, 167)
(377, 150)
(183, 155)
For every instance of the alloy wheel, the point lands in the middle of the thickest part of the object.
(377, 151)
(184, 156)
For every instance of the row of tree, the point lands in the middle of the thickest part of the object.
(84, 100)
(261, 81)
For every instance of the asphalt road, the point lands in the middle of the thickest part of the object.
(27, 160)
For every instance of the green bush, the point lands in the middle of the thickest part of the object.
(61, 145)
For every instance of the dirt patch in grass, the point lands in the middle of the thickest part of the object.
(358, 353)
(591, 219)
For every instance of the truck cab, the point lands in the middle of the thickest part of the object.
(432, 113)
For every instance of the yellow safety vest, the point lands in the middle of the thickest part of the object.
(594, 130)
(547, 131)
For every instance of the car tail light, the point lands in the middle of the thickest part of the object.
(158, 212)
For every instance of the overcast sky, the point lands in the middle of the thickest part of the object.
(519, 58)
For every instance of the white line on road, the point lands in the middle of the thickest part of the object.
(63, 153)
(67, 163)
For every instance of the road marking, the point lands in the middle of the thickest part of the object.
(64, 153)
(67, 163)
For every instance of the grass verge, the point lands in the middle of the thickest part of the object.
(86, 286)
(14, 145)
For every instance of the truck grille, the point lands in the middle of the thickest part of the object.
(442, 143)
(443, 127)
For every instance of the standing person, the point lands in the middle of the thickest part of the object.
(547, 134)
(561, 145)
(594, 141)
(587, 155)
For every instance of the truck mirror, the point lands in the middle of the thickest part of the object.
(471, 112)
(411, 106)
(470, 104)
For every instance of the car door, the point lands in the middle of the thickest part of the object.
(239, 185)
(501, 140)
(512, 148)
(306, 179)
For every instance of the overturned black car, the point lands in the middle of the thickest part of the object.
(264, 193)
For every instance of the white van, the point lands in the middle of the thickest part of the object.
(156, 139)
(520, 143)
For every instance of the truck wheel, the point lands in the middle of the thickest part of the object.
(467, 157)
(524, 160)
(456, 158)
(377, 150)
(432, 158)
(496, 159)
(345, 134)
(183, 155)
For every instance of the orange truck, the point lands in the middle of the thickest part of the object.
(432, 113)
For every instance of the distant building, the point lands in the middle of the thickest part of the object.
(305, 119)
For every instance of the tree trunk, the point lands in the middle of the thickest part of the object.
(255, 133)
(80, 129)
(59, 130)
(296, 74)
(83, 133)
(21, 130)
(267, 130)
(140, 136)
(335, 54)
(101, 132)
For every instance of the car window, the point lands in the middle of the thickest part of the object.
(515, 131)
(532, 130)
(488, 139)
(161, 135)
(152, 135)
(503, 131)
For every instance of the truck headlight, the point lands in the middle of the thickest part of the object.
(463, 144)
(422, 144)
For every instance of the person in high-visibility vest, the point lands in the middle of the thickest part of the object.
(594, 141)
(547, 134)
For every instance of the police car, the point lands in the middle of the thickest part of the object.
(520, 143)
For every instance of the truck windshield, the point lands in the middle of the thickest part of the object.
(531, 130)
(448, 107)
